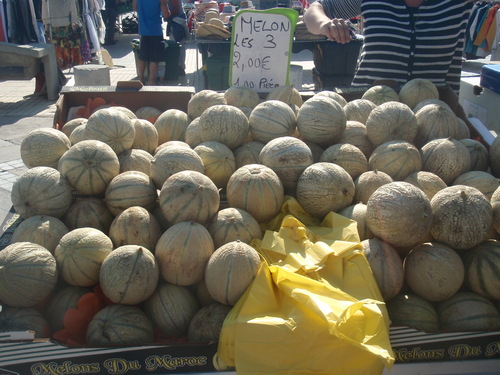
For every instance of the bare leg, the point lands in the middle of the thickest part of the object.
(141, 64)
(153, 70)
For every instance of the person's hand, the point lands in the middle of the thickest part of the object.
(165, 12)
(337, 30)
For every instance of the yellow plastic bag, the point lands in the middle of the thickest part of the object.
(313, 308)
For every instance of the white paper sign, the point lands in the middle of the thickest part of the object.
(261, 45)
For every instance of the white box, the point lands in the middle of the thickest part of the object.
(480, 102)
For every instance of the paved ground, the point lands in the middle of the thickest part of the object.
(21, 111)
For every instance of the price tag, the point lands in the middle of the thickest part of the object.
(261, 45)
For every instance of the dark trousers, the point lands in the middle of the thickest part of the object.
(109, 17)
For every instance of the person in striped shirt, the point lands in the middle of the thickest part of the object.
(403, 39)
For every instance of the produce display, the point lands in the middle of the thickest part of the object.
(151, 214)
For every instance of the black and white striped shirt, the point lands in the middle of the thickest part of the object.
(402, 43)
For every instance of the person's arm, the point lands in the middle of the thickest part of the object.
(317, 22)
(175, 7)
(165, 12)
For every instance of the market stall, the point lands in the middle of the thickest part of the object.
(312, 299)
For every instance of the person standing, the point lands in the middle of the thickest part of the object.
(178, 31)
(151, 47)
(109, 16)
(403, 39)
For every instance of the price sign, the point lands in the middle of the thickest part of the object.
(261, 45)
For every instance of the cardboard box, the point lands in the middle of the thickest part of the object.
(130, 94)
(416, 352)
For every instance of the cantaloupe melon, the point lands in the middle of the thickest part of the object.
(202, 100)
(358, 110)
(495, 205)
(21, 319)
(170, 160)
(386, 265)
(28, 274)
(88, 212)
(287, 94)
(241, 96)
(462, 217)
(324, 187)
(416, 90)
(41, 191)
(399, 213)
(171, 308)
(146, 136)
(128, 189)
(357, 212)
(355, 134)
(77, 135)
(112, 127)
(40, 229)
(129, 274)
(120, 325)
(171, 125)
(72, 124)
(435, 121)
(468, 311)
(494, 157)
(321, 120)
(206, 324)
(463, 130)
(410, 310)
(348, 156)
(60, 301)
(231, 224)
(368, 182)
(256, 189)
(445, 157)
(483, 181)
(230, 270)
(44, 147)
(148, 113)
(333, 95)
(287, 157)
(425, 102)
(379, 94)
(225, 124)
(80, 254)
(189, 196)
(135, 226)
(183, 251)
(397, 158)
(430, 183)
(247, 153)
(135, 160)
(434, 271)
(89, 166)
(391, 121)
(478, 154)
(482, 269)
(218, 160)
(271, 119)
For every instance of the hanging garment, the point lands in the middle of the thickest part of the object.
(72, 47)
(91, 29)
(34, 25)
(59, 13)
(3, 28)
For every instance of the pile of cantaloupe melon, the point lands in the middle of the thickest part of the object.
(151, 213)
